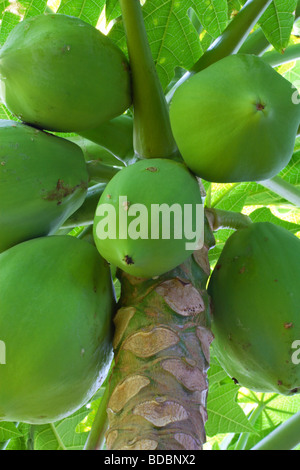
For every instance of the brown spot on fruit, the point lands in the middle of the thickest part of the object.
(260, 107)
(62, 190)
(153, 169)
(287, 326)
(128, 260)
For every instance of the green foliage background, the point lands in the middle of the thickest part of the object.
(177, 43)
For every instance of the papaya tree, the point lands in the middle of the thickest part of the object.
(149, 251)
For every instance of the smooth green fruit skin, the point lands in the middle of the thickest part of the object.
(59, 73)
(43, 180)
(235, 120)
(55, 321)
(159, 181)
(255, 296)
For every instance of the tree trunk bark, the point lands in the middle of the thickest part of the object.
(159, 386)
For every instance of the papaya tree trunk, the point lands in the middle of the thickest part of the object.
(158, 387)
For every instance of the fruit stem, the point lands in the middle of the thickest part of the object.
(244, 437)
(152, 134)
(281, 187)
(275, 58)
(57, 437)
(256, 43)
(297, 12)
(234, 35)
(220, 219)
(284, 437)
(96, 439)
(230, 41)
(100, 172)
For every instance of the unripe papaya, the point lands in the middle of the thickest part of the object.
(149, 218)
(55, 322)
(235, 120)
(60, 73)
(43, 180)
(255, 297)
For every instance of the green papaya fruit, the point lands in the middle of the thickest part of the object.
(60, 73)
(255, 297)
(116, 136)
(235, 120)
(149, 218)
(43, 180)
(55, 322)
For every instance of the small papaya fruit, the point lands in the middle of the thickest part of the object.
(149, 218)
(235, 120)
(43, 180)
(60, 73)
(55, 322)
(255, 297)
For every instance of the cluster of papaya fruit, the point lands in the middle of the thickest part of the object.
(60, 74)
(57, 298)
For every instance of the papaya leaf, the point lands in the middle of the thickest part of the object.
(173, 39)
(216, 374)
(275, 409)
(277, 22)
(8, 22)
(9, 431)
(224, 413)
(213, 16)
(234, 6)
(33, 7)
(291, 172)
(220, 236)
(87, 10)
(265, 215)
(228, 196)
(61, 435)
(3, 5)
(5, 113)
(19, 442)
(112, 10)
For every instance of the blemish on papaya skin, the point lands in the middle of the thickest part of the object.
(125, 66)
(242, 270)
(152, 169)
(62, 191)
(260, 107)
(128, 260)
(287, 325)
